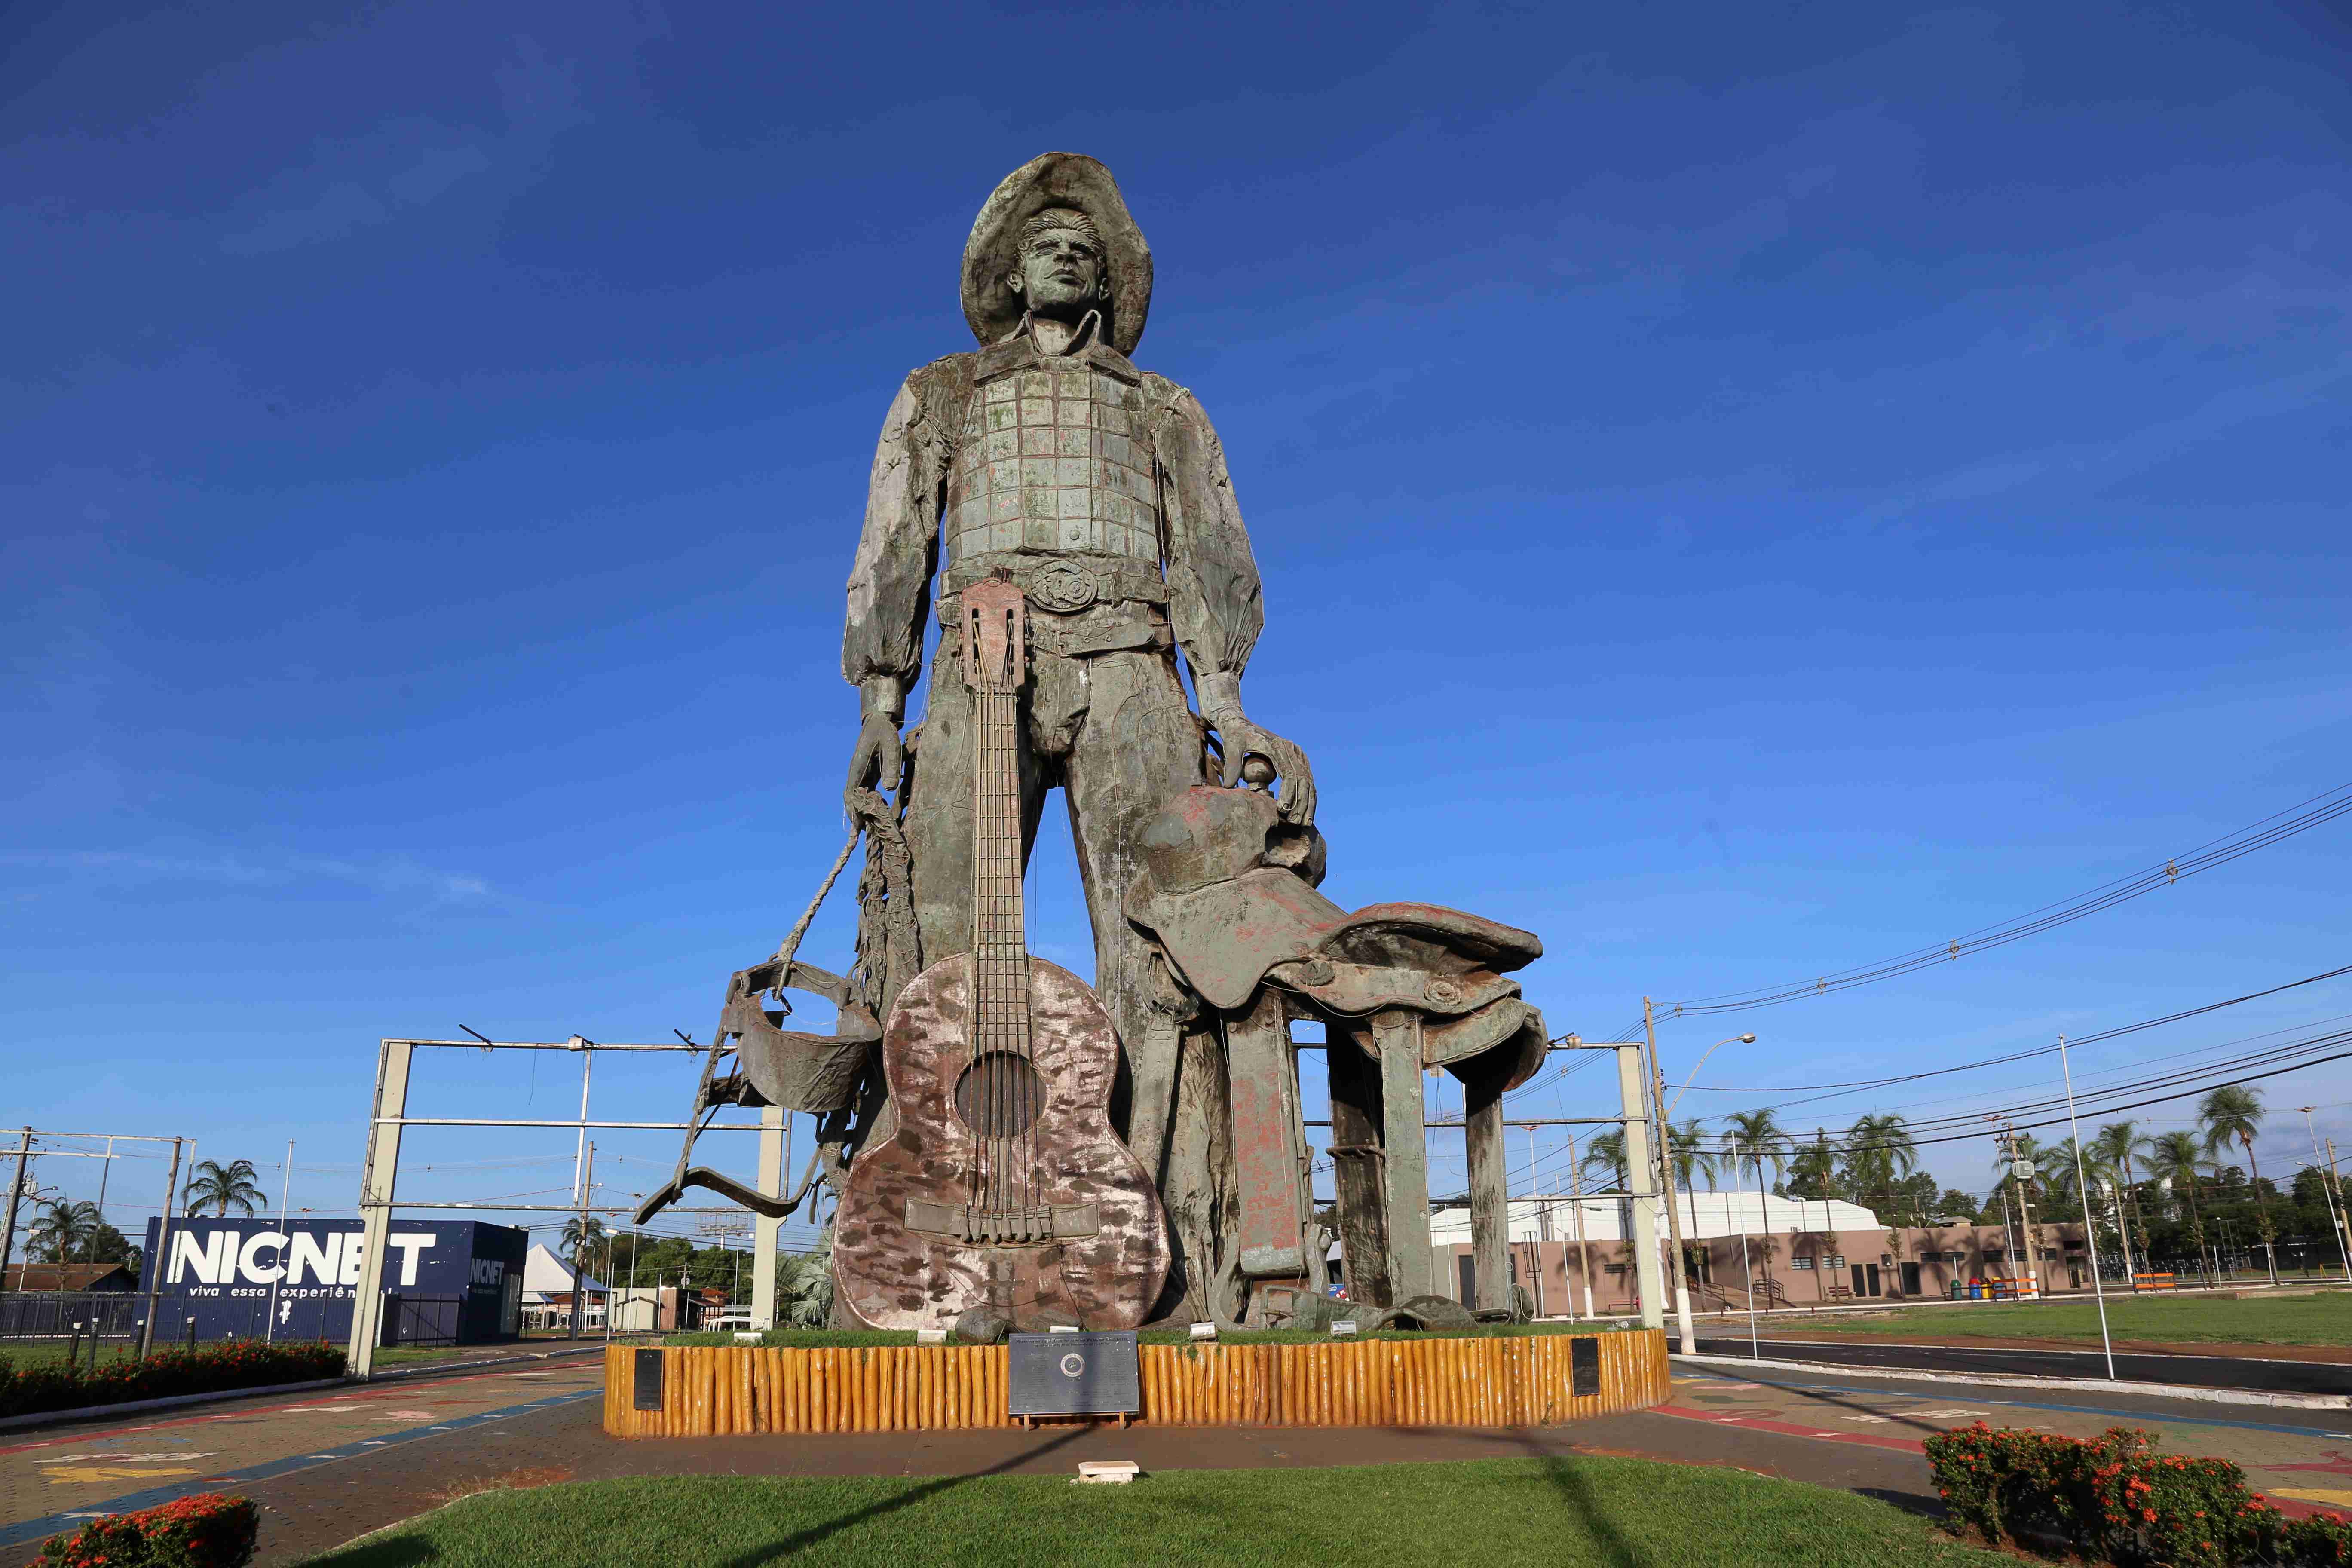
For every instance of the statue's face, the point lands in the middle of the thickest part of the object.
(1061, 275)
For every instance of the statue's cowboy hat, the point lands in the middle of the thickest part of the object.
(1054, 180)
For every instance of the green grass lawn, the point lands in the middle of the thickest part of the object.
(1499, 1513)
(2196, 1318)
(52, 1352)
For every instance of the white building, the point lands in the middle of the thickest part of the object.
(1703, 1214)
(547, 1287)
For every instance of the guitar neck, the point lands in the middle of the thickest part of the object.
(995, 661)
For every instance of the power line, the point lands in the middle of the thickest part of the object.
(2024, 1056)
(2319, 809)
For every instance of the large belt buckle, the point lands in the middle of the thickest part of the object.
(1062, 586)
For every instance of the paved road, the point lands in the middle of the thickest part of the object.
(51, 1477)
(2281, 1376)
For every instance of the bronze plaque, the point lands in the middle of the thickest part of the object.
(648, 1380)
(1583, 1365)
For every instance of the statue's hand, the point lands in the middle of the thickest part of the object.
(1242, 740)
(880, 755)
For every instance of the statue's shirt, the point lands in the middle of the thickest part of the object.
(1007, 453)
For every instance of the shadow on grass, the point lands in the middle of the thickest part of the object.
(1920, 1505)
(1576, 1491)
(801, 1539)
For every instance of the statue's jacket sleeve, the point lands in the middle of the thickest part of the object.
(890, 582)
(1213, 602)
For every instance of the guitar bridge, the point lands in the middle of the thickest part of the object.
(1003, 1228)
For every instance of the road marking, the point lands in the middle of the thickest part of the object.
(30, 1529)
(2079, 1409)
(82, 1475)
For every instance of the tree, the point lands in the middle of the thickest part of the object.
(2121, 1145)
(107, 1245)
(2175, 1158)
(1687, 1148)
(583, 1238)
(1605, 1156)
(224, 1187)
(2233, 1114)
(1959, 1206)
(1877, 1149)
(62, 1232)
(1750, 1138)
(1813, 1171)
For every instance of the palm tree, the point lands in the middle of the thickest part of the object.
(583, 1235)
(1816, 1164)
(804, 1290)
(1879, 1153)
(224, 1187)
(2119, 1145)
(2175, 1158)
(1605, 1156)
(2233, 1114)
(1752, 1137)
(63, 1231)
(1686, 1147)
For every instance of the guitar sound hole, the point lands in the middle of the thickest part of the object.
(1000, 1095)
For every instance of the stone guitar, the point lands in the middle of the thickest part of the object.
(1005, 1186)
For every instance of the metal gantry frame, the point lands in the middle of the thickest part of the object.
(25, 1151)
(379, 1175)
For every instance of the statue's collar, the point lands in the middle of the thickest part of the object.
(1017, 350)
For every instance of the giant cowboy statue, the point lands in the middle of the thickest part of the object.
(1010, 1147)
(1103, 491)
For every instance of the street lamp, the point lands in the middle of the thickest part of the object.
(1666, 1169)
(1743, 1039)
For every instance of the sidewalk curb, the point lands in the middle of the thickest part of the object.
(431, 1367)
(2087, 1385)
(169, 1401)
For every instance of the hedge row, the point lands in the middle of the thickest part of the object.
(207, 1530)
(2112, 1499)
(207, 1369)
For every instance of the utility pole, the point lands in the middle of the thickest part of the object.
(2334, 1214)
(162, 1258)
(2090, 1234)
(15, 1197)
(2336, 1182)
(1583, 1247)
(1667, 1181)
(587, 1166)
(286, 1248)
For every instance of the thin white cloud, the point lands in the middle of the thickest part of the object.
(393, 876)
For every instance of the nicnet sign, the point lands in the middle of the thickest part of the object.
(456, 1279)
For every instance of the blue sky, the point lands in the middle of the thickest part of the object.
(1742, 491)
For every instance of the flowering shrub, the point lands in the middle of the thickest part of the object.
(207, 1530)
(210, 1368)
(2113, 1499)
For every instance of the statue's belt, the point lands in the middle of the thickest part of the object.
(1059, 585)
(1079, 608)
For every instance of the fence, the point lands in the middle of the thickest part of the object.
(67, 1314)
(421, 1321)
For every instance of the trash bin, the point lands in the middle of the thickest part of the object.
(1976, 1290)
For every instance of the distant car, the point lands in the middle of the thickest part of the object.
(733, 1318)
